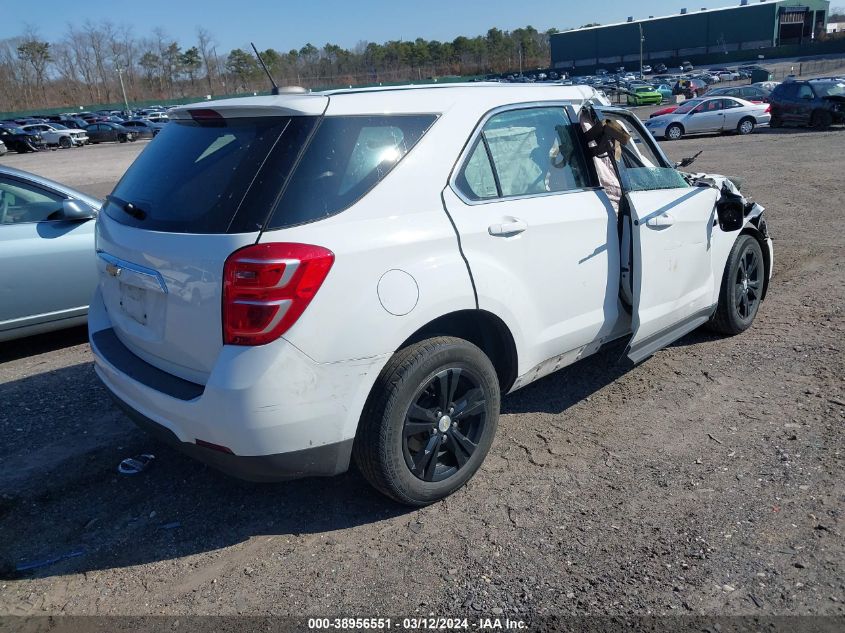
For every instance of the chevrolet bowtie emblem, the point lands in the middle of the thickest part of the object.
(113, 270)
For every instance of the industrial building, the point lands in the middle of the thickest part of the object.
(705, 34)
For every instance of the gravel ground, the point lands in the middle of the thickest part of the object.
(707, 480)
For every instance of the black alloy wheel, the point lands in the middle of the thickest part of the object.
(444, 424)
(748, 287)
(742, 288)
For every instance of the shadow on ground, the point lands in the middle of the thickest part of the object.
(74, 513)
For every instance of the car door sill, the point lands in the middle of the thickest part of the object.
(647, 347)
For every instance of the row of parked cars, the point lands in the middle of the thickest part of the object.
(34, 133)
(818, 102)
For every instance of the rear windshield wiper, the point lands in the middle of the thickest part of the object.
(127, 207)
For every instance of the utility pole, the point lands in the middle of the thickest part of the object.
(642, 39)
(123, 89)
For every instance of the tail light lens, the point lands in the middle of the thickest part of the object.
(266, 288)
(768, 108)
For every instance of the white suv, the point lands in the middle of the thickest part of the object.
(288, 282)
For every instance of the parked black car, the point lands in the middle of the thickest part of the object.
(749, 93)
(660, 69)
(819, 103)
(105, 132)
(20, 140)
(144, 129)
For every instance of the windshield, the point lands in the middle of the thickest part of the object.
(829, 88)
(688, 106)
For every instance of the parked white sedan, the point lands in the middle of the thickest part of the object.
(56, 134)
(713, 114)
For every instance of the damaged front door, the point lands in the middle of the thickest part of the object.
(671, 224)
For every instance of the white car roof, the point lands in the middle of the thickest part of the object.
(431, 98)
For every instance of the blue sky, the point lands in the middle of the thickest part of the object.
(284, 25)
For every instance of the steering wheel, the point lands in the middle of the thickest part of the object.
(4, 207)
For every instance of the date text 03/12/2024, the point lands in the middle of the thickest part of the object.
(417, 624)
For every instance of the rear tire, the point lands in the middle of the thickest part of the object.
(742, 288)
(746, 126)
(775, 122)
(438, 388)
(674, 132)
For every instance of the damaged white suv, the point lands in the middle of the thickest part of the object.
(289, 282)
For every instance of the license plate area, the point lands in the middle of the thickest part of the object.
(134, 303)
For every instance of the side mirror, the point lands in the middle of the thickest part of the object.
(76, 211)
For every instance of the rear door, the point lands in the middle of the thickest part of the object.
(671, 227)
(539, 236)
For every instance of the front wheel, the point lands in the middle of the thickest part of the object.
(746, 126)
(742, 288)
(674, 132)
(65, 142)
(429, 421)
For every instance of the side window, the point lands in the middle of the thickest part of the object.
(640, 167)
(713, 106)
(476, 179)
(789, 91)
(534, 151)
(805, 92)
(346, 158)
(730, 103)
(21, 202)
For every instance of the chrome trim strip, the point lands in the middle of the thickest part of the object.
(145, 273)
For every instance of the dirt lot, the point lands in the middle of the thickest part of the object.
(707, 480)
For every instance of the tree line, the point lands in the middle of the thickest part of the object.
(88, 63)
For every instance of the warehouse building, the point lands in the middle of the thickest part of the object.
(704, 34)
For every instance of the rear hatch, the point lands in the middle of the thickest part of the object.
(201, 191)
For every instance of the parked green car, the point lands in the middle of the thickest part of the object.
(644, 95)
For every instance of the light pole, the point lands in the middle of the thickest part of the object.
(642, 39)
(123, 89)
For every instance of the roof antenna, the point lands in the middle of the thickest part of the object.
(275, 89)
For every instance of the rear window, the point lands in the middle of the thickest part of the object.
(347, 157)
(227, 176)
(210, 177)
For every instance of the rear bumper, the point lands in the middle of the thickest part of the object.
(327, 460)
(275, 413)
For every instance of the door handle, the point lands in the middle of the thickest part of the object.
(660, 221)
(506, 229)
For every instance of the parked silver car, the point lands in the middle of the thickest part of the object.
(710, 114)
(48, 269)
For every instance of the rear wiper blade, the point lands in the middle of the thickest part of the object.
(128, 207)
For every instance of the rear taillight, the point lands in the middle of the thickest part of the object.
(266, 288)
(768, 109)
